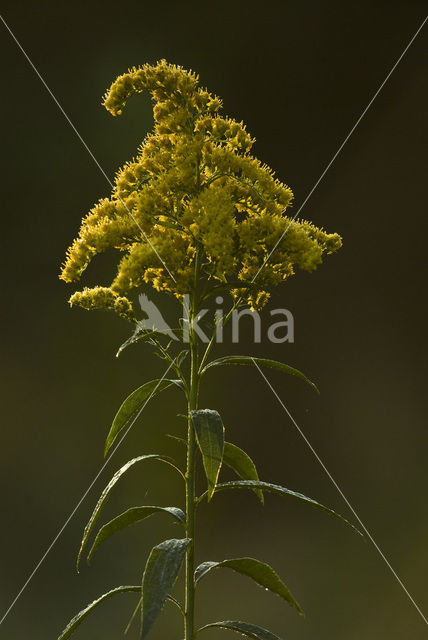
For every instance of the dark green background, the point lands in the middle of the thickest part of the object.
(299, 74)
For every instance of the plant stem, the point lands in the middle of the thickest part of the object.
(189, 630)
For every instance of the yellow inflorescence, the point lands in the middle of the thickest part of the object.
(103, 298)
(193, 186)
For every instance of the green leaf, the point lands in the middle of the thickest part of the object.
(181, 357)
(278, 490)
(129, 517)
(236, 459)
(244, 628)
(177, 604)
(134, 403)
(258, 571)
(261, 362)
(139, 335)
(77, 620)
(159, 576)
(106, 494)
(210, 437)
(241, 463)
(143, 334)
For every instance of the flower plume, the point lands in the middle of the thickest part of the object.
(193, 186)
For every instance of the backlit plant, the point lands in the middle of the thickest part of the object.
(194, 214)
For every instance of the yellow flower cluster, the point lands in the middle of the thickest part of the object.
(194, 186)
(103, 298)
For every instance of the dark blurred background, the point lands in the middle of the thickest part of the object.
(299, 74)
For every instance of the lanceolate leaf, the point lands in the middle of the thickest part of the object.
(210, 436)
(106, 494)
(139, 335)
(134, 403)
(132, 516)
(281, 491)
(159, 576)
(261, 362)
(77, 620)
(241, 463)
(238, 460)
(260, 572)
(143, 334)
(181, 357)
(243, 628)
(177, 604)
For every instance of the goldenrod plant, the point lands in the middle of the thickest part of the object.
(194, 215)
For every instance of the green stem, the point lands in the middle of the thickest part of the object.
(189, 624)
